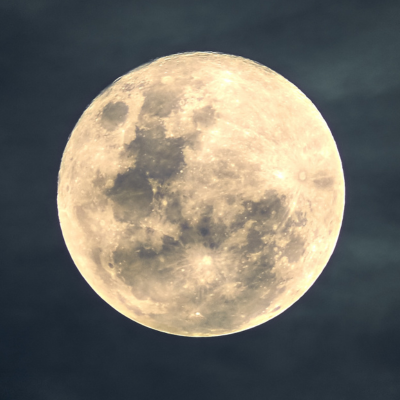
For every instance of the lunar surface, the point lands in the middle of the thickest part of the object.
(201, 194)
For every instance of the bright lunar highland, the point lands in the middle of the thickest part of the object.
(201, 194)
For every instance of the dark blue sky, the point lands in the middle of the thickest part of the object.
(60, 341)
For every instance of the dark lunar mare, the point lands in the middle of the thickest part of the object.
(113, 115)
(204, 117)
(156, 156)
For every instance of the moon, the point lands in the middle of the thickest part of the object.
(201, 194)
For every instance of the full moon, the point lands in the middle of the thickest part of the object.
(201, 194)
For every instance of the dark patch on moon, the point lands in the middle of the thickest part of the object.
(113, 115)
(128, 87)
(156, 156)
(96, 253)
(204, 231)
(99, 180)
(210, 232)
(159, 102)
(269, 211)
(267, 208)
(255, 243)
(192, 140)
(139, 274)
(184, 226)
(259, 253)
(204, 117)
(230, 199)
(297, 220)
(172, 249)
(223, 166)
(197, 83)
(145, 253)
(324, 182)
(259, 274)
(132, 195)
(294, 249)
(173, 210)
(144, 270)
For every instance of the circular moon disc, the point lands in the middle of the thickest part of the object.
(201, 194)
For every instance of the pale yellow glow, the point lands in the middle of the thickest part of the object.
(201, 194)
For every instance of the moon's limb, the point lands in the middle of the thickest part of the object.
(201, 194)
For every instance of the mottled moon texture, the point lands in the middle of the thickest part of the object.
(201, 194)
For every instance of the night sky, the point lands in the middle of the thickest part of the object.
(60, 341)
